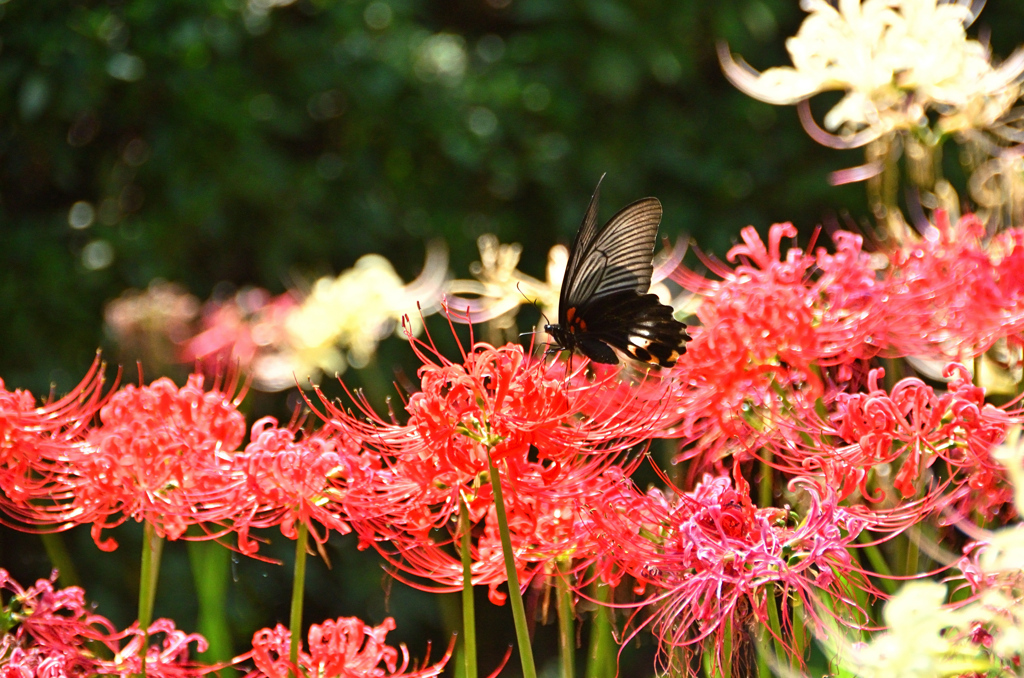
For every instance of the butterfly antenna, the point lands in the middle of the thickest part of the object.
(532, 302)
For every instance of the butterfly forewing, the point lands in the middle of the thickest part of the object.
(621, 254)
(615, 258)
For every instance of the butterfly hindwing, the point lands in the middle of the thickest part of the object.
(638, 325)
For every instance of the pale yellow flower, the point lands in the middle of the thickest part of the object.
(896, 60)
(342, 319)
(501, 288)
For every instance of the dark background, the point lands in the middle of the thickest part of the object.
(220, 141)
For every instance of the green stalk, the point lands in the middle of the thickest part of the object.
(601, 653)
(298, 591)
(765, 489)
(878, 563)
(516, 598)
(725, 668)
(211, 569)
(152, 547)
(799, 632)
(566, 622)
(763, 669)
(908, 563)
(468, 606)
(775, 627)
(57, 551)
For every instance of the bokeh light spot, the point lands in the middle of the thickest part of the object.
(378, 15)
(97, 255)
(127, 67)
(81, 215)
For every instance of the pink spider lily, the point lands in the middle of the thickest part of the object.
(341, 648)
(712, 563)
(236, 329)
(53, 632)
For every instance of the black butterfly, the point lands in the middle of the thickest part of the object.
(605, 302)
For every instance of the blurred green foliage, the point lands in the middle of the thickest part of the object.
(221, 141)
(212, 141)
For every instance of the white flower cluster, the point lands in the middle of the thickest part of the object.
(896, 60)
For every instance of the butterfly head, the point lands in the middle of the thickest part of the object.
(563, 338)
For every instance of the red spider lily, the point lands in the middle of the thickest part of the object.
(774, 321)
(342, 648)
(17, 662)
(965, 293)
(910, 429)
(293, 478)
(57, 621)
(550, 433)
(166, 658)
(541, 531)
(52, 632)
(30, 435)
(161, 455)
(714, 562)
(769, 325)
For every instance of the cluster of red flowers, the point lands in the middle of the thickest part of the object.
(710, 555)
(551, 437)
(343, 647)
(778, 386)
(806, 325)
(52, 632)
(167, 456)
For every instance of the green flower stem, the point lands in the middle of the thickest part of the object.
(57, 551)
(763, 668)
(725, 669)
(468, 607)
(765, 488)
(878, 563)
(211, 569)
(799, 633)
(566, 622)
(775, 628)
(298, 591)
(601, 653)
(910, 554)
(516, 598)
(152, 548)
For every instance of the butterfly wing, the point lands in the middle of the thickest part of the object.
(605, 303)
(615, 258)
(639, 325)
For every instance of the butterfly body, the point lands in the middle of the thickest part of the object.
(605, 303)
